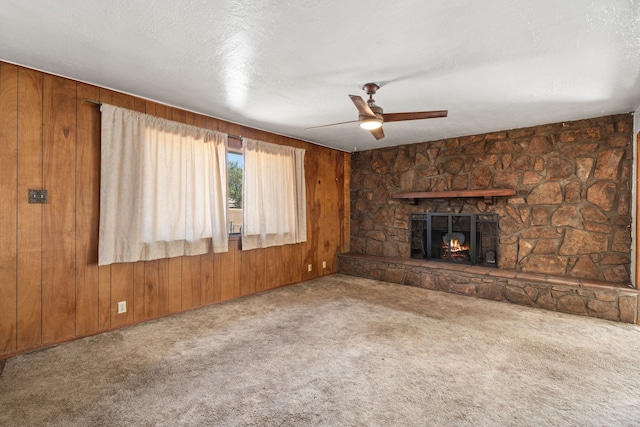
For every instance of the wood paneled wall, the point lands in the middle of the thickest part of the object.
(51, 288)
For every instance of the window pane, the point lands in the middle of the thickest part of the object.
(235, 167)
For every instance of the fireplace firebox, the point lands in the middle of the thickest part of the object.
(464, 238)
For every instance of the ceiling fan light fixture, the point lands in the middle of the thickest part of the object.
(371, 116)
(370, 123)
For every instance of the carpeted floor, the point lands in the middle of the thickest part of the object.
(337, 351)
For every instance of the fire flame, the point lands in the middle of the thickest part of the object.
(455, 246)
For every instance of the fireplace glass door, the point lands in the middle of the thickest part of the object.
(458, 238)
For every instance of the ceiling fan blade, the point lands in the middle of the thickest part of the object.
(332, 124)
(362, 106)
(377, 133)
(418, 115)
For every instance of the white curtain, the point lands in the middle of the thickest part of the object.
(274, 202)
(163, 188)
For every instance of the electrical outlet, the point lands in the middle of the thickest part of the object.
(324, 264)
(309, 267)
(122, 307)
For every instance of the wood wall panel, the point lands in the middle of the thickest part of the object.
(8, 211)
(252, 272)
(174, 268)
(104, 294)
(58, 219)
(121, 290)
(87, 211)
(331, 199)
(208, 280)
(338, 215)
(247, 272)
(191, 282)
(314, 214)
(30, 157)
(151, 289)
(345, 237)
(123, 100)
(217, 278)
(51, 288)
(292, 255)
(138, 291)
(163, 287)
(229, 281)
(274, 271)
(259, 272)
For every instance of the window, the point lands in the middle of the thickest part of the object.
(235, 169)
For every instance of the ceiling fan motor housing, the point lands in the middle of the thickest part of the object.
(370, 88)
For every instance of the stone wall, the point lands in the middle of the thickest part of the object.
(571, 216)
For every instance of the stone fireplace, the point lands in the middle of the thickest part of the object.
(561, 198)
(569, 215)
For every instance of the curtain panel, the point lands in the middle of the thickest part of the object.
(163, 188)
(274, 201)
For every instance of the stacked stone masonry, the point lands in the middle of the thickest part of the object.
(570, 218)
(575, 296)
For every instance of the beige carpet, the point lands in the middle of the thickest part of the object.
(337, 351)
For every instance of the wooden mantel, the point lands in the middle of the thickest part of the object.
(488, 195)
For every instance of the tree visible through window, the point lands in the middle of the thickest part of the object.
(235, 166)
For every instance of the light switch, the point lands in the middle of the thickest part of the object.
(38, 196)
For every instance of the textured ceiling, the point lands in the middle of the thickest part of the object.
(283, 66)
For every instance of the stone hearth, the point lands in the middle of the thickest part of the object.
(569, 295)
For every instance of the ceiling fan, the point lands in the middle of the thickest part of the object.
(371, 117)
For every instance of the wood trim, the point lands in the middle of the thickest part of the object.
(488, 195)
(634, 220)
